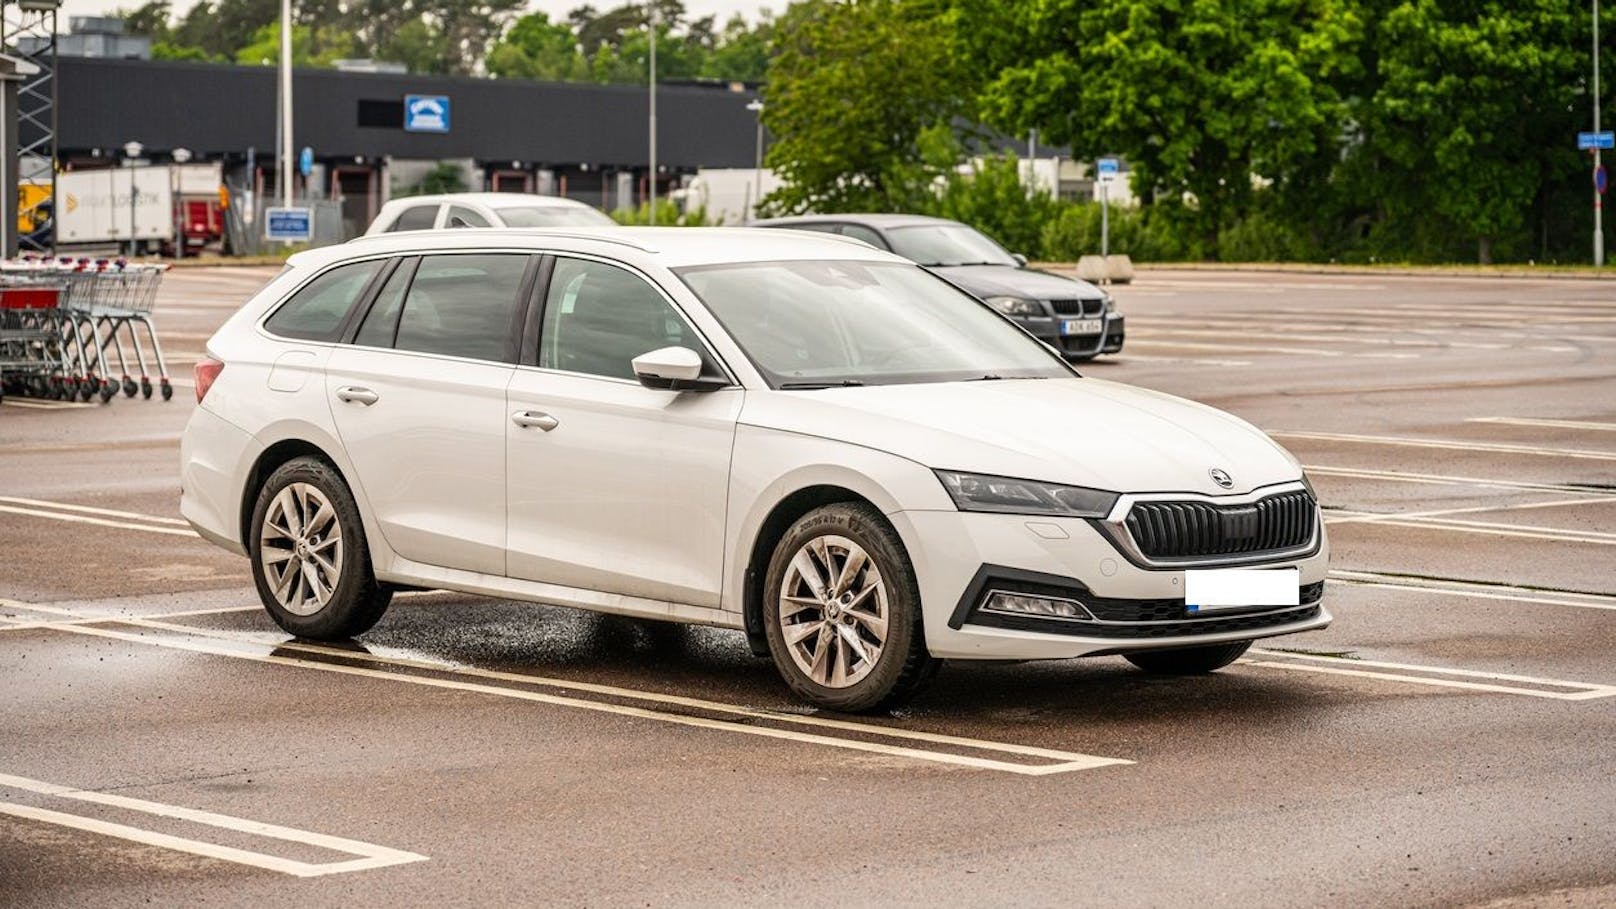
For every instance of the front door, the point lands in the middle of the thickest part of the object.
(419, 400)
(613, 486)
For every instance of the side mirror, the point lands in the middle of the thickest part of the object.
(674, 369)
(1021, 260)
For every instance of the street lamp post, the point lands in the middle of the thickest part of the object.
(177, 206)
(1599, 199)
(132, 151)
(283, 168)
(756, 107)
(651, 181)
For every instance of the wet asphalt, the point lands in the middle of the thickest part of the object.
(1449, 741)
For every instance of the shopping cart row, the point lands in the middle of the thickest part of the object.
(63, 326)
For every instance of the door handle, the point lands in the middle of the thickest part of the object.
(528, 419)
(353, 393)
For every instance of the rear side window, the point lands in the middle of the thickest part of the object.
(315, 313)
(416, 217)
(464, 306)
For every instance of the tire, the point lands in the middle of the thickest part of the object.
(1189, 660)
(282, 539)
(823, 665)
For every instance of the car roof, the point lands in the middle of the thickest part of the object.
(872, 219)
(672, 247)
(492, 200)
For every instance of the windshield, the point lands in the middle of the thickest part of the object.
(936, 245)
(554, 216)
(813, 324)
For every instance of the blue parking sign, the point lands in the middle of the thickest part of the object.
(290, 224)
(426, 113)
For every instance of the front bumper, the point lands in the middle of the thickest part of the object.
(1079, 347)
(961, 557)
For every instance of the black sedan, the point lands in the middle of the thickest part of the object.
(1075, 317)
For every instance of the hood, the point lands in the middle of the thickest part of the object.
(1078, 431)
(1003, 280)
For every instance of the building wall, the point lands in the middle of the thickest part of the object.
(222, 110)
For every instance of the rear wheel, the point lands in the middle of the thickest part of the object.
(1190, 660)
(309, 558)
(843, 612)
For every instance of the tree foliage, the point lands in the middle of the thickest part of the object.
(463, 37)
(855, 89)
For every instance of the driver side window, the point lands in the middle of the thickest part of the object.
(598, 318)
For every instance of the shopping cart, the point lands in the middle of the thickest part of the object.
(103, 300)
(34, 358)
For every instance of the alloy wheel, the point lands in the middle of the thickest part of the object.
(833, 611)
(300, 548)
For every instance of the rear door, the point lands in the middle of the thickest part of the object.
(419, 401)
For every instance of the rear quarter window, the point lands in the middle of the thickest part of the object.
(316, 312)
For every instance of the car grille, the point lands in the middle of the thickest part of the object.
(1188, 530)
(1089, 308)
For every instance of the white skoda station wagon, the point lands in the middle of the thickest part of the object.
(862, 468)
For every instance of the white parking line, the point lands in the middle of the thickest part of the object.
(1130, 357)
(1470, 590)
(87, 509)
(1548, 424)
(202, 641)
(101, 522)
(1485, 528)
(1439, 676)
(46, 405)
(1351, 517)
(1399, 476)
(1448, 444)
(369, 856)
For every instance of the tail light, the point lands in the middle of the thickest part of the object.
(207, 369)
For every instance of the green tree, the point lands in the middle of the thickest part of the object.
(536, 48)
(1469, 122)
(853, 90)
(1200, 97)
(308, 50)
(995, 201)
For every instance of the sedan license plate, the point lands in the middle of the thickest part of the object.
(1082, 326)
(1225, 589)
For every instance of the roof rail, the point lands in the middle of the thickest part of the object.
(561, 233)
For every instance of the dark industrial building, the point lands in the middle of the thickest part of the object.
(587, 142)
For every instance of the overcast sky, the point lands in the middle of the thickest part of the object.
(557, 9)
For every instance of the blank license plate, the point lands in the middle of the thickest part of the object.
(1082, 326)
(1222, 589)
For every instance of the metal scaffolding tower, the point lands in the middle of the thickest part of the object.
(28, 31)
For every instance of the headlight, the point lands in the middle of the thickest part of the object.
(1110, 304)
(1015, 306)
(1004, 495)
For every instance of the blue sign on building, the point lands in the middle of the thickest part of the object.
(295, 224)
(426, 113)
(305, 161)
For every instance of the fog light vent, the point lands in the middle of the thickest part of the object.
(1033, 605)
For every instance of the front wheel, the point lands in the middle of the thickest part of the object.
(842, 612)
(309, 559)
(1189, 660)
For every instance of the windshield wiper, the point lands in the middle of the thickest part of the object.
(809, 386)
